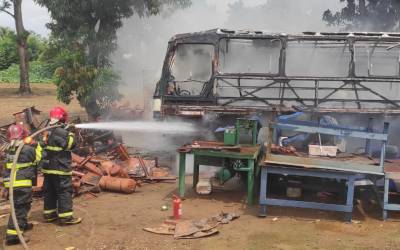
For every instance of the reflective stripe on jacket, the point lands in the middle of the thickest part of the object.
(25, 169)
(59, 145)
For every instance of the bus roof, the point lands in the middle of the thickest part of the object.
(211, 36)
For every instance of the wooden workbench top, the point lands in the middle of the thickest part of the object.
(356, 164)
(216, 147)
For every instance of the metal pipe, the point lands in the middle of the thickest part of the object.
(11, 189)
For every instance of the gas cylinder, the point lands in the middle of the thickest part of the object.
(177, 205)
(122, 185)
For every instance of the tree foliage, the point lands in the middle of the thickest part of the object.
(21, 41)
(5, 6)
(366, 15)
(87, 30)
(8, 47)
(93, 86)
(36, 46)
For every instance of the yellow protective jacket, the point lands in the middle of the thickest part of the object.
(60, 142)
(30, 156)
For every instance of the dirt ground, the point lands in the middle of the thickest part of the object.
(116, 221)
(44, 98)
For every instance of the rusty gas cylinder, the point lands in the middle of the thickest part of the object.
(118, 171)
(106, 166)
(116, 184)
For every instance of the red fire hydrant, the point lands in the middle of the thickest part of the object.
(177, 205)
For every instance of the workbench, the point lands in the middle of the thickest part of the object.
(391, 172)
(320, 167)
(310, 167)
(248, 153)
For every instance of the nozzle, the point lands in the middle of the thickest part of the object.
(70, 126)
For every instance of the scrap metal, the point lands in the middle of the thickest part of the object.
(320, 95)
(100, 160)
(193, 229)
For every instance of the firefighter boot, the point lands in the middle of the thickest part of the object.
(50, 216)
(28, 226)
(70, 221)
(14, 240)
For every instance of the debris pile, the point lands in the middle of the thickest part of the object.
(193, 229)
(283, 150)
(29, 117)
(115, 170)
(100, 160)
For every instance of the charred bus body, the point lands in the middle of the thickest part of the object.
(237, 73)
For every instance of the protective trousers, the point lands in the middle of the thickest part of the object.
(57, 196)
(22, 205)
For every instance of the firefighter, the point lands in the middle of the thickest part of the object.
(57, 185)
(25, 173)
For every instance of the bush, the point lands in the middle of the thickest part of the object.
(8, 47)
(38, 73)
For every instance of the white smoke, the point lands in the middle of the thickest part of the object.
(142, 43)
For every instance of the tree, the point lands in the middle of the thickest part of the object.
(36, 46)
(8, 48)
(21, 39)
(366, 15)
(87, 32)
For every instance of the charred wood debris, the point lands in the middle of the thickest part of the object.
(100, 161)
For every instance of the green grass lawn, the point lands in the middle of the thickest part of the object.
(38, 73)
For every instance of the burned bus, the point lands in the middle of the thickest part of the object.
(236, 73)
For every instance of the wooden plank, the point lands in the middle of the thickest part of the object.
(248, 154)
(308, 162)
(308, 204)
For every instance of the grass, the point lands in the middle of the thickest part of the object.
(38, 73)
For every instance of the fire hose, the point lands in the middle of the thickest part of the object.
(11, 189)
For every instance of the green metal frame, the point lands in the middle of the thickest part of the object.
(251, 169)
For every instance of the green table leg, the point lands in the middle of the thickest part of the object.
(196, 170)
(182, 165)
(250, 181)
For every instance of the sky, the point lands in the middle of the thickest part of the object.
(36, 17)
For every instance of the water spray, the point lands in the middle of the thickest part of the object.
(142, 126)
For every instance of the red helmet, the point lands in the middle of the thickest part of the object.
(16, 132)
(58, 114)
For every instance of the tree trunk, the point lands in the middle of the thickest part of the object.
(363, 8)
(91, 108)
(22, 37)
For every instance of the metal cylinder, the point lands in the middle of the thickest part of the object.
(118, 171)
(116, 184)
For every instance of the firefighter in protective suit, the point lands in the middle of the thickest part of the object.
(25, 173)
(57, 184)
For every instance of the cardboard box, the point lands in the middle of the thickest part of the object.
(318, 150)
